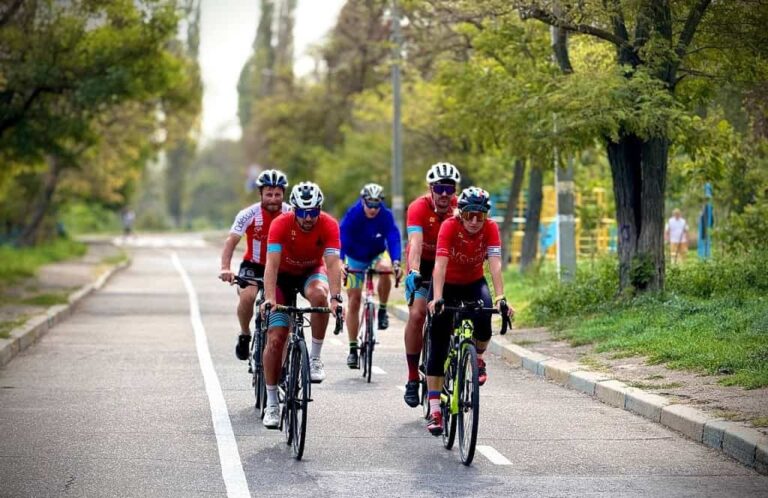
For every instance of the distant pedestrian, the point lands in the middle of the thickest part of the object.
(128, 216)
(676, 233)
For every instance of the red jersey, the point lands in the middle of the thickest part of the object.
(423, 218)
(302, 251)
(253, 222)
(466, 252)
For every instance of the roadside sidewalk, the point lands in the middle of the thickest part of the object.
(67, 282)
(745, 444)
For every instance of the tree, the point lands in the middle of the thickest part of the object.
(66, 68)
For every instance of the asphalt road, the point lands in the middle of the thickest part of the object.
(115, 402)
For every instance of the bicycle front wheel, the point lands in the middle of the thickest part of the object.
(300, 391)
(370, 341)
(259, 384)
(468, 390)
(423, 373)
(449, 419)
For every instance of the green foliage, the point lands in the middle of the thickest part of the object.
(83, 217)
(16, 264)
(713, 317)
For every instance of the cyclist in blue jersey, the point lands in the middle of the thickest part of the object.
(368, 232)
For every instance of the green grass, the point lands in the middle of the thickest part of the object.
(7, 326)
(712, 319)
(49, 299)
(646, 385)
(19, 263)
(760, 422)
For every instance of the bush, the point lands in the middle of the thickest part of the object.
(81, 217)
(21, 263)
(734, 277)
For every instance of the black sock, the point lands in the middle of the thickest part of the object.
(352, 346)
(383, 306)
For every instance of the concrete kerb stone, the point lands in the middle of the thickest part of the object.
(646, 404)
(559, 370)
(713, 432)
(741, 443)
(585, 381)
(761, 456)
(25, 335)
(612, 392)
(685, 419)
(534, 362)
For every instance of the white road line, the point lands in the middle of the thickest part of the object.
(335, 342)
(402, 388)
(377, 370)
(231, 467)
(494, 456)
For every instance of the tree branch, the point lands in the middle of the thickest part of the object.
(691, 24)
(551, 19)
(10, 12)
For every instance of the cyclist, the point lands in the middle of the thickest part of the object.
(425, 214)
(253, 222)
(464, 242)
(302, 254)
(368, 232)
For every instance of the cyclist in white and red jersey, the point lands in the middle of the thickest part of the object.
(253, 222)
(464, 242)
(303, 255)
(425, 215)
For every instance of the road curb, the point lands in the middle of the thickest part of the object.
(746, 445)
(33, 329)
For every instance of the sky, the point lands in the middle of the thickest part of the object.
(227, 31)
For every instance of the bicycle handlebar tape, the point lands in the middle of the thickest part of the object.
(439, 306)
(504, 316)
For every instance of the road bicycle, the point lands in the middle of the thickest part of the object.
(460, 395)
(367, 333)
(258, 342)
(294, 387)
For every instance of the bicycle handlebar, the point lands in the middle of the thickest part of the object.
(476, 307)
(245, 282)
(311, 309)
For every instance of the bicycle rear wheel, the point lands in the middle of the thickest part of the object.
(468, 390)
(370, 341)
(449, 419)
(300, 391)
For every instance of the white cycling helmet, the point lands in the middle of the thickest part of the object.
(443, 172)
(474, 199)
(306, 195)
(272, 178)
(372, 191)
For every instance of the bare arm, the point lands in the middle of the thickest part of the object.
(415, 241)
(225, 272)
(438, 277)
(270, 277)
(333, 263)
(494, 264)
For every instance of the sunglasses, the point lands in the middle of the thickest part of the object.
(307, 213)
(441, 189)
(473, 216)
(372, 204)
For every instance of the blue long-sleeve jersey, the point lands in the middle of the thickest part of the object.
(365, 238)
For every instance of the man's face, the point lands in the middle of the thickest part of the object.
(442, 195)
(272, 198)
(371, 207)
(307, 218)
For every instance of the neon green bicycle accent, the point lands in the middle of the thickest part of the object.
(464, 331)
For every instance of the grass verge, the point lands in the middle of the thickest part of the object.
(712, 319)
(20, 263)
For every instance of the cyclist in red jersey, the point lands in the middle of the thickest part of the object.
(253, 222)
(425, 215)
(303, 252)
(464, 242)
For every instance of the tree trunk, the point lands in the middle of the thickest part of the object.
(509, 213)
(29, 234)
(639, 169)
(532, 218)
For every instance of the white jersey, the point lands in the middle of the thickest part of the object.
(254, 222)
(677, 229)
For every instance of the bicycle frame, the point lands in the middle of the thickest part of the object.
(462, 334)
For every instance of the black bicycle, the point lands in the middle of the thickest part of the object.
(460, 396)
(366, 334)
(258, 342)
(295, 386)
